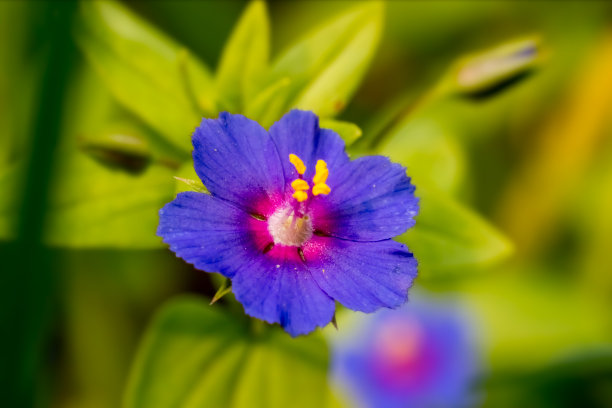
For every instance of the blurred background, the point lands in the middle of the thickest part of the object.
(500, 110)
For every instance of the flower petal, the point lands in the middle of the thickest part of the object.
(371, 199)
(278, 288)
(363, 276)
(236, 160)
(207, 232)
(217, 236)
(298, 133)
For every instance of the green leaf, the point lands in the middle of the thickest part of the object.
(196, 355)
(187, 179)
(224, 289)
(269, 104)
(328, 64)
(244, 58)
(92, 206)
(429, 150)
(119, 145)
(528, 308)
(349, 132)
(449, 236)
(147, 72)
(97, 203)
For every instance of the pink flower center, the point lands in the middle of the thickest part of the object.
(288, 228)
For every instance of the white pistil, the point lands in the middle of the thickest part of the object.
(288, 229)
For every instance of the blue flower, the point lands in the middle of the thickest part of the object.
(293, 222)
(418, 356)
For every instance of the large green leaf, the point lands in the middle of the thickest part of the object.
(544, 315)
(327, 65)
(449, 236)
(99, 198)
(431, 153)
(270, 103)
(349, 132)
(95, 207)
(244, 58)
(196, 355)
(146, 71)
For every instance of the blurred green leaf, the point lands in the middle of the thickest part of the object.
(97, 204)
(449, 236)
(431, 153)
(196, 355)
(328, 64)
(527, 324)
(147, 72)
(119, 145)
(560, 150)
(581, 378)
(244, 58)
(591, 217)
(470, 101)
(349, 132)
(269, 104)
(92, 206)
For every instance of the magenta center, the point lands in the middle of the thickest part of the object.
(401, 357)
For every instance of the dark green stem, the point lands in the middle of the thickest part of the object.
(28, 279)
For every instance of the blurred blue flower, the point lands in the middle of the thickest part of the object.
(421, 355)
(293, 221)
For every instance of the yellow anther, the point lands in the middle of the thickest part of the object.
(321, 172)
(320, 176)
(320, 165)
(321, 188)
(300, 196)
(300, 185)
(297, 163)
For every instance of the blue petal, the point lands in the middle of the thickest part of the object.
(298, 132)
(284, 293)
(365, 276)
(217, 236)
(371, 199)
(237, 160)
(209, 233)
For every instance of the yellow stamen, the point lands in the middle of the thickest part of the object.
(297, 163)
(300, 185)
(321, 172)
(320, 178)
(300, 196)
(320, 165)
(321, 188)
